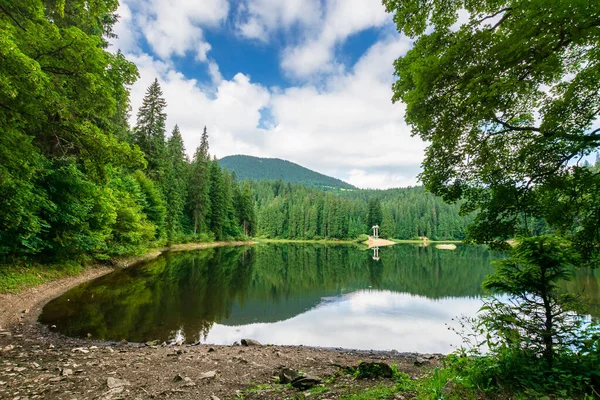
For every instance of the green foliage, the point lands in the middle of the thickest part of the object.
(537, 317)
(508, 101)
(300, 212)
(15, 278)
(199, 186)
(176, 186)
(533, 339)
(149, 132)
(374, 214)
(217, 210)
(257, 169)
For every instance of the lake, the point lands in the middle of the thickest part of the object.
(290, 294)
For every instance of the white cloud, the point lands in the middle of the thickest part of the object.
(125, 30)
(258, 18)
(342, 19)
(171, 27)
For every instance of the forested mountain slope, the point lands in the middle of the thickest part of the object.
(255, 168)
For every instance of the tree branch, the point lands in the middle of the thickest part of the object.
(13, 18)
(510, 127)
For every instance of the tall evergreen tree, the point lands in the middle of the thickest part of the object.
(176, 185)
(217, 213)
(245, 210)
(199, 185)
(374, 216)
(149, 132)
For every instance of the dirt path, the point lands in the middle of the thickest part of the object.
(36, 363)
(372, 242)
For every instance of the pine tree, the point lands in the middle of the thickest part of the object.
(149, 132)
(230, 227)
(217, 200)
(176, 184)
(245, 211)
(199, 185)
(374, 216)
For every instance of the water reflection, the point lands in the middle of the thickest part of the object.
(336, 296)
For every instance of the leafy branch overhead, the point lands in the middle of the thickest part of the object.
(509, 100)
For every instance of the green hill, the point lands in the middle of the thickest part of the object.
(255, 168)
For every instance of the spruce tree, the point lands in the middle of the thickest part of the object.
(217, 200)
(176, 183)
(199, 185)
(149, 131)
(374, 216)
(246, 214)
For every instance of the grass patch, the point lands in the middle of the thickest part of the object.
(16, 278)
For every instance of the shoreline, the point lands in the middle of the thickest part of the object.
(33, 299)
(39, 363)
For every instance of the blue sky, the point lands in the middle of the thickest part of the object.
(303, 80)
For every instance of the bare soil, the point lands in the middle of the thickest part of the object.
(37, 363)
(378, 242)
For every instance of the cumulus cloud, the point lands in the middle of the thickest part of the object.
(171, 27)
(258, 18)
(342, 18)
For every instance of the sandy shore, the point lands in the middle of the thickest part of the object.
(372, 242)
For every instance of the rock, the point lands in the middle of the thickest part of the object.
(51, 346)
(287, 375)
(52, 327)
(208, 375)
(114, 383)
(250, 342)
(368, 370)
(213, 397)
(9, 347)
(448, 388)
(178, 378)
(55, 379)
(89, 335)
(188, 382)
(80, 350)
(421, 361)
(5, 333)
(152, 343)
(210, 349)
(25, 311)
(124, 342)
(19, 369)
(66, 372)
(236, 343)
(305, 382)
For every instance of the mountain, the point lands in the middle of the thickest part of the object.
(255, 168)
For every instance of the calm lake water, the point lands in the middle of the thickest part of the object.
(293, 294)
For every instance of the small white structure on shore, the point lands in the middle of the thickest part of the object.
(376, 231)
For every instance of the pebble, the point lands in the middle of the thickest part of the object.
(208, 375)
